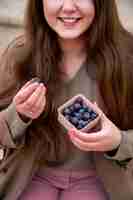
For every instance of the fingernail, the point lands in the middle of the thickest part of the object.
(36, 79)
(71, 132)
(41, 84)
(95, 103)
(35, 84)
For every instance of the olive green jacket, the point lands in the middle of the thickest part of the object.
(18, 167)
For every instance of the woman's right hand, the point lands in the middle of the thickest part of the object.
(30, 100)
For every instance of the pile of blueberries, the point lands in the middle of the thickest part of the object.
(79, 114)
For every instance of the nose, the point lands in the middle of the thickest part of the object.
(69, 5)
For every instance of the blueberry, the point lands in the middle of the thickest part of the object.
(71, 108)
(74, 121)
(93, 115)
(86, 116)
(88, 109)
(79, 100)
(67, 117)
(81, 110)
(78, 115)
(82, 124)
(77, 106)
(66, 111)
(85, 107)
(79, 126)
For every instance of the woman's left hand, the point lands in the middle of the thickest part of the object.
(107, 139)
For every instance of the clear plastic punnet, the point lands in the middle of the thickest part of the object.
(79, 113)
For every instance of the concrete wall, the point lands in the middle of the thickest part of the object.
(11, 20)
(125, 8)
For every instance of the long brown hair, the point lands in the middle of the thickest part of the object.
(38, 54)
(112, 50)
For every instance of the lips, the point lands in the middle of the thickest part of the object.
(69, 20)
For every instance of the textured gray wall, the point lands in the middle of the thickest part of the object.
(12, 11)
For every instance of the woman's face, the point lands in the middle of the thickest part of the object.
(69, 18)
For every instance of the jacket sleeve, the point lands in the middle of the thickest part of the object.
(125, 149)
(12, 128)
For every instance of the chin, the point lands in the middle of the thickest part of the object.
(69, 36)
(71, 33)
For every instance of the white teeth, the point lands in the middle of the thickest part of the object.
(69, 19)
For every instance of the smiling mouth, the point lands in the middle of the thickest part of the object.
(69, 20)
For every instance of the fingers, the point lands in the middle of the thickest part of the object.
(31, 99)
(25, 92)
(36, 99)
(26, 85)
(79, 144)
(34, 104)
(85, 146)
(33, 80)
(88, 137)
(41, 100)
(40, 105)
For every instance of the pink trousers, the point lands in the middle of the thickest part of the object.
(57, 184)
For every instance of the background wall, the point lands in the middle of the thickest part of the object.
(11, 20)
(12, 12)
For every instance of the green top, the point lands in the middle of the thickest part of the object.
(81, 83)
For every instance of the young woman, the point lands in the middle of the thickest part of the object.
(69, 47)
